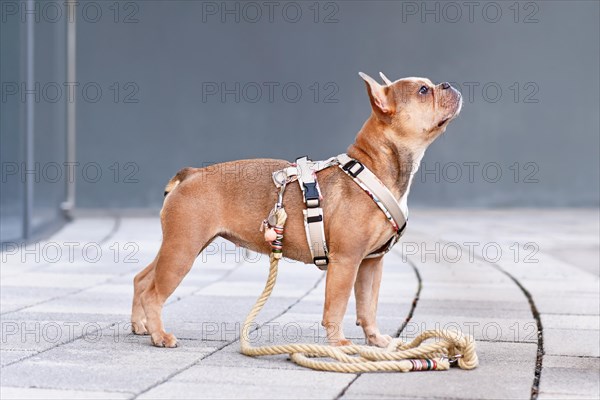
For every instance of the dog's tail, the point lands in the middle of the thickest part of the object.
(178, 178)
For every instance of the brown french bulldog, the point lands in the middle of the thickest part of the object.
(230, 200)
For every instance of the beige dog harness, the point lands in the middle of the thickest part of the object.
(305, 171)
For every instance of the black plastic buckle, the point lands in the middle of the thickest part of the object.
(321, 261)
(311, 194)
(351, 164)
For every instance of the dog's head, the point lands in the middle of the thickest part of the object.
(414, 108)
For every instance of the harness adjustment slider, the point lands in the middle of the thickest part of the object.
(349, 167)
(321, 262)
(317, 218)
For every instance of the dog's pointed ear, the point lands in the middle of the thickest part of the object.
(381, 96)
(385, 79)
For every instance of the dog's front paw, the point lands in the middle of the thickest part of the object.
(378, 340)
(138, 328)
(163, 339)
(341, 342)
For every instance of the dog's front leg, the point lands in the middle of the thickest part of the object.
(366, 291)
(341, 275)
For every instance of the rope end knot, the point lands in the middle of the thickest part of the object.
(276, 231)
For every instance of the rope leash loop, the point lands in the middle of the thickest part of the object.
(431, 350)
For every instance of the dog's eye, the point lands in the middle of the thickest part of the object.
(423, 90)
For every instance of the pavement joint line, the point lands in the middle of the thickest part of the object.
(535, 387)
(342, 393)
(415, 299)
(573, 329)
(504, 341)
(76, 291)
(220, 279)
(100, 328)
(570, 314)
(18, 350)
(404, 324)
(227, 344)
(536, 316)
(177, 372)
(66, 389)
(106, 238)
(113, 230)
(30, 269)
(191, 294)
(571, 356)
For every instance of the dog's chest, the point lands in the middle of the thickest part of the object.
(414, 168)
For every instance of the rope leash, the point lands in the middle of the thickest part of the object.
(443, 346)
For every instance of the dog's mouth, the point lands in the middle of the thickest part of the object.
(457, 108)
(442, 122)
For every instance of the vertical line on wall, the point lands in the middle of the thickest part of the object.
(29, 124)
(71, 155)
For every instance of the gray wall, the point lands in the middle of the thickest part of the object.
(548, 132)
(45, 119)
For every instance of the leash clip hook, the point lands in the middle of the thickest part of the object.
(452, 359)
(279, 203)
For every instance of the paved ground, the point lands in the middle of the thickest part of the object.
(502, 275)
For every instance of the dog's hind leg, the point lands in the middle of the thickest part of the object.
(183, 239)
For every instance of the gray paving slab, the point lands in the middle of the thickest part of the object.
(116, 355)
(566, 321)
(581, 304)
(274, 390)
(585, 258)
(103, 375)
(40, 332)
(591, 363)
(20, 297)
(265, 377)
(565, 382)
(230, 356)
(468, 307)
(571, 342)
(11, 356)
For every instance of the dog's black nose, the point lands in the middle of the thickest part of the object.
(446, 85)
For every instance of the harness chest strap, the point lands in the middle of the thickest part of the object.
(304, 170)
(380, 194)
(313, 215)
